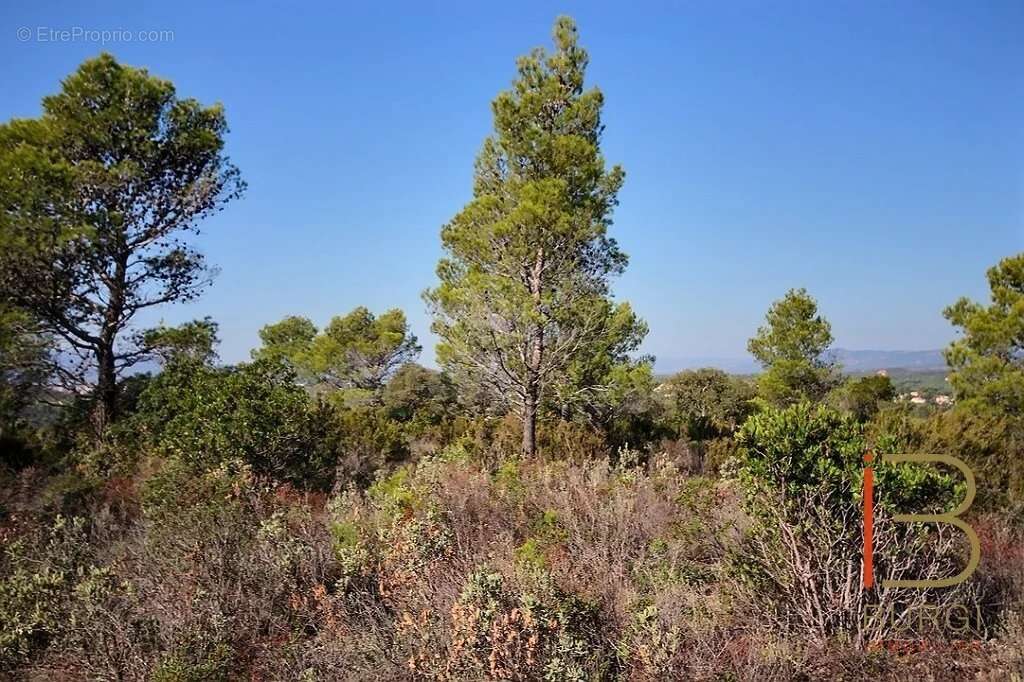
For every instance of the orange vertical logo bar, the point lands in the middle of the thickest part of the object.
(869, 522)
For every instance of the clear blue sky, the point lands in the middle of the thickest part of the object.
(872, 152)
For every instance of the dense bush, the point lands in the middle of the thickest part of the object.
(364, 441)
(801, 473)
(706, 403)
(255, 413)
(47, 582)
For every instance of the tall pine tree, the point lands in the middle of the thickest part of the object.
(524, 299)
(97, 197)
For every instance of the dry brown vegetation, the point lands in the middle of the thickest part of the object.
(446, 570)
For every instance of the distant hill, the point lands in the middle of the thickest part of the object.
(853, 362)
(671, 365)
(871, 360)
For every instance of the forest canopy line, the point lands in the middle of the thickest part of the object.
(542, 507)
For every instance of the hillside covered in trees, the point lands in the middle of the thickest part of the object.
(540, 507)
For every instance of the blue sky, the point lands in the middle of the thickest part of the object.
(871, 152)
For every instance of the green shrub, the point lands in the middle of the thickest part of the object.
(31, 603)
(992, 444)
(256, 413)
(364, 441)
(177, 493)
(650, 645)
(801, 471)
(706, 403)
(351, 550)
(545, 533)
(393, 494)
(419, 397)
(508, 479)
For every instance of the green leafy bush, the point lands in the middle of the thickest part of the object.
(801, 471)
(183, 667)
(256, 413)
(706, 403)
(363, 441)
(30, 607)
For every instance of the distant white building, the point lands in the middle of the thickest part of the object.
(943, 400)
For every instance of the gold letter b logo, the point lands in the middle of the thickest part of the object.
(951, 517)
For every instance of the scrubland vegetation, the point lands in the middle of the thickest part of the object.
(540, 508)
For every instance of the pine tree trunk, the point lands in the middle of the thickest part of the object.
(531, 399)
(530, 426)
(105, 409)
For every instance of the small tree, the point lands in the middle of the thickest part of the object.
(524, 292)
(791, 347)
(706, 403)
(987, 362)
(415, 392)
(356, 353)
(97, 194)
(862, 397)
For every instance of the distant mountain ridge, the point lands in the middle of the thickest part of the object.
(852, 361)
(873, 360)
